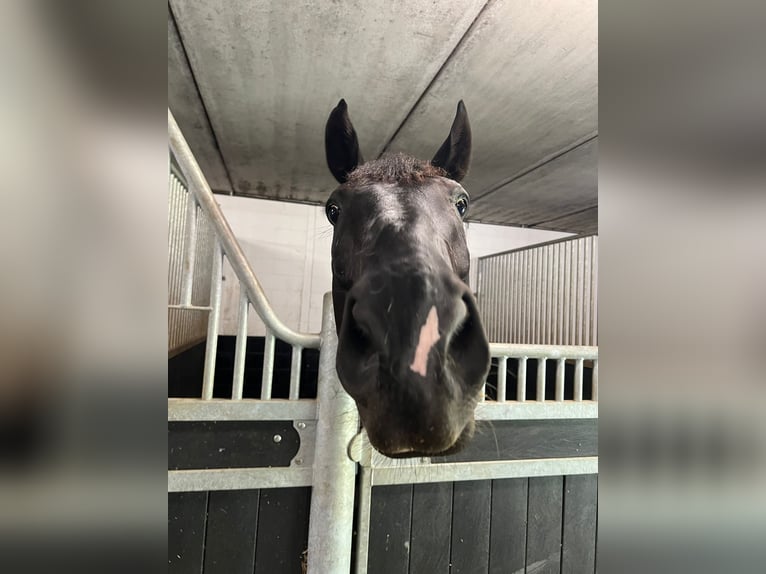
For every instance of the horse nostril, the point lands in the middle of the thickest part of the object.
(468, 345)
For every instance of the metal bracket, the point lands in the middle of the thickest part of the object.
(307, 432)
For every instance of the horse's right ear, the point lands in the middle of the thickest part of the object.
(341, 144)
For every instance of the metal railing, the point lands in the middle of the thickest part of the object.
(332, 447)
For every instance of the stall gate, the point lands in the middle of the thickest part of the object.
(251, 461)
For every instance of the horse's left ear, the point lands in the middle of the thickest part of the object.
(341, 144)
(454, 156)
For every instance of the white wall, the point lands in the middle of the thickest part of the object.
(288, 245)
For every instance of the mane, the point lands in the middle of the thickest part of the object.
(396, 168)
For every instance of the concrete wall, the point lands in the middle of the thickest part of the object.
(288, 245)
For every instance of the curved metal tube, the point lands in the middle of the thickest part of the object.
(203, 194)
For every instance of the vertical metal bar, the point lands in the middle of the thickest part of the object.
(560, 288)
(567, 293)
(363, 520)
(594, 294)
(510, 312)
(578, 380)
(502, 366)
(295, 373)
(541, 379)
(587, 274)
(190, 250)
(595, 380)
(332, 497)
(241, 347)
(211, 348)
(521, 380)
(580, 289)
(268, 366)
(517, 298)
(560, 366)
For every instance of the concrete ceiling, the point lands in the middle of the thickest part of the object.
(251, 84)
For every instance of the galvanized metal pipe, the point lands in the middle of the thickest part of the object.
(240, 351)
(268, 366)
(295, 373)
(541, 379)
(513, 350)
(521, 380)
(201, 190)
(332, 496)
(502, 366)
(578, 380)
(595, 380)
(190, 250)
(363, 520)
(560, 367)
(211, 348)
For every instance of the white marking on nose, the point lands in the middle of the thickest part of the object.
(429, 334)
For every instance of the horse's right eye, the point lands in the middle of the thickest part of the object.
(332, 211)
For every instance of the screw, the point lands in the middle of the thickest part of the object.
(301, 425)
(298, 461)
(277, 438)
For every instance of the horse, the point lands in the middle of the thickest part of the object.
(412, 351)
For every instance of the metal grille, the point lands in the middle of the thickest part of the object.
(543, 295)
(190, 248)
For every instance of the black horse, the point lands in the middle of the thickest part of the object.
(411, 348)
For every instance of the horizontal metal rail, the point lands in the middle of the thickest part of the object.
(241, 410)
(483, 470)
(519, 351)
(203, 195)
(238, 478)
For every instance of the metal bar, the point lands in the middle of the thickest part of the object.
(240, 351)
(190, 250)
(237, 478)
(295, 373)
(595, 380)
(515, 411)
(363, 520)
(211, 349)
(201, 190)
(484, 470)
(543, 351)
(244, 410)
(502, 366)
(521, 380)
(268, 366)
(560, 367)
(190, 307)
(332, 498)
(541, 379)
(578, 380)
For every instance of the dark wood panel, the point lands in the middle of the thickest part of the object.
(431, 528)
(391, 513)
(578, 551)
(231, 444)
(231, 528)
(544, 525)
(186, 531)
(470, 527)
(518, 440)
(283, 530)
(508, 529)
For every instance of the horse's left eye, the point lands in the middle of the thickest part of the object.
(461, 204)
